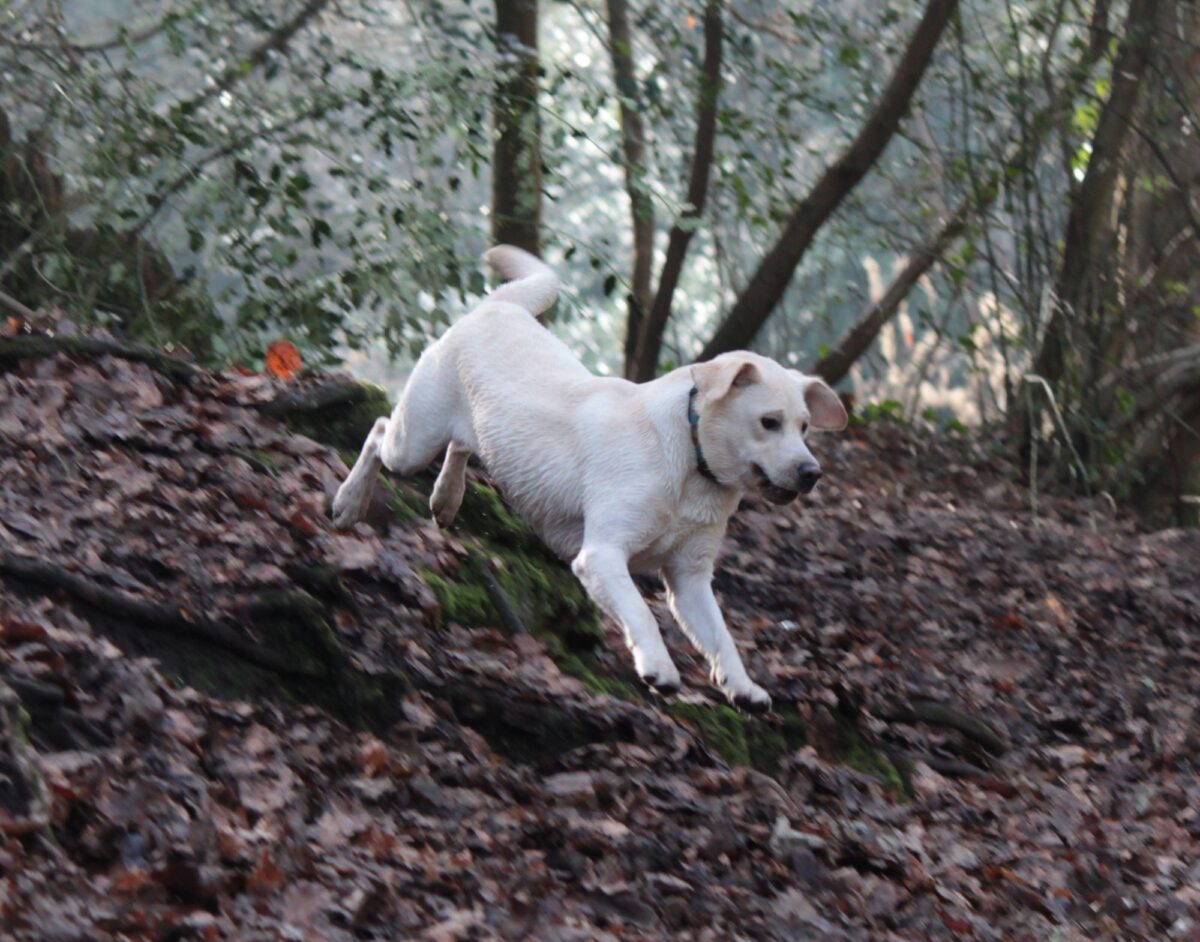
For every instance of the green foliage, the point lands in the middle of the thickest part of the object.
(889, 410)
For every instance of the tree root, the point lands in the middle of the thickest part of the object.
(144, 613)
(952, 768)
(523, 723)
(314, 398)
(42, 345)
(939, 714)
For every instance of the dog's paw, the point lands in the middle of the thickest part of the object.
(343, 520)
(751, 698)
(444, 512)
(659, 673)
(347, 509)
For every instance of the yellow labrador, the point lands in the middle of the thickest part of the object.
(616, 477)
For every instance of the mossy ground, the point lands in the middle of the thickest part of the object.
(855, 751)
(741, 739)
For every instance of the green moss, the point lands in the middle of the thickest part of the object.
(585, 667)
(741, 739)
(722, 728)
(464, 603)
(407, 503)
(540, 587)
(24, 721)
(856, 752)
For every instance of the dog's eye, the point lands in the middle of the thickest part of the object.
(770, 423)
(803, 428)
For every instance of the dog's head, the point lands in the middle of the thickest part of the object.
(754, 416)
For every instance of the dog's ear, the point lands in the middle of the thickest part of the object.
(718, 378)
(825, 408)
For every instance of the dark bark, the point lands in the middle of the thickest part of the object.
(314, 398)
(649, 341)
(767, 285)
(1087, 223)
(633, 147)
(517, 160)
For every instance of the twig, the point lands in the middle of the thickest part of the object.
(944, 766)
(1058, 416)
(16, 306)
(508, 615)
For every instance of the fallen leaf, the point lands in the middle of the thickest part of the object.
(283, 359)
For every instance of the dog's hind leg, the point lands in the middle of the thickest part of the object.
(450, 486)
(405, 443)
(354, 496)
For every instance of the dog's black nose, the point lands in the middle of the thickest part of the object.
(810, 474)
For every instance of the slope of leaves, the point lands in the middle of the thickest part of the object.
(474, 790)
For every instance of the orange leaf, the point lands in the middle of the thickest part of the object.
(283, 359)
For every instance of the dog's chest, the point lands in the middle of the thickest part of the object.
(694, 527)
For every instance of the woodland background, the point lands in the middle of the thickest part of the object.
(928, 204)
(220, 718)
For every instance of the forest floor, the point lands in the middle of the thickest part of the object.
(220, 719)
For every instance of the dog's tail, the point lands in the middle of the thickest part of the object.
(529, 282)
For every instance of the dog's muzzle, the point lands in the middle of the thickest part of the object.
(772, 491)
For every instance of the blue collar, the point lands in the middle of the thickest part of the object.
(694, 423)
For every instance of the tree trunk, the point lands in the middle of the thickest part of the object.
(633, 145)
(649, 341)
(1088, 224)
(517, 160)
(766, 287)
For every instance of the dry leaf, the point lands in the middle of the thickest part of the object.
(283, 359)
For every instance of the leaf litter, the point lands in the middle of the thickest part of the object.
(915, 575)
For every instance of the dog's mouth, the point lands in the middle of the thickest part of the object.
(772, 491)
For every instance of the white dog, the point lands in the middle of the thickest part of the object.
(616, 477)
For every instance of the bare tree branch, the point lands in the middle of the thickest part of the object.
(767, 285)
(834, 366)
(275, 41)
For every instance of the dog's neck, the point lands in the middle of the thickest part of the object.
(694, 424)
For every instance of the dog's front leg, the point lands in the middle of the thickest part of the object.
(604, 572)
(689, 591)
